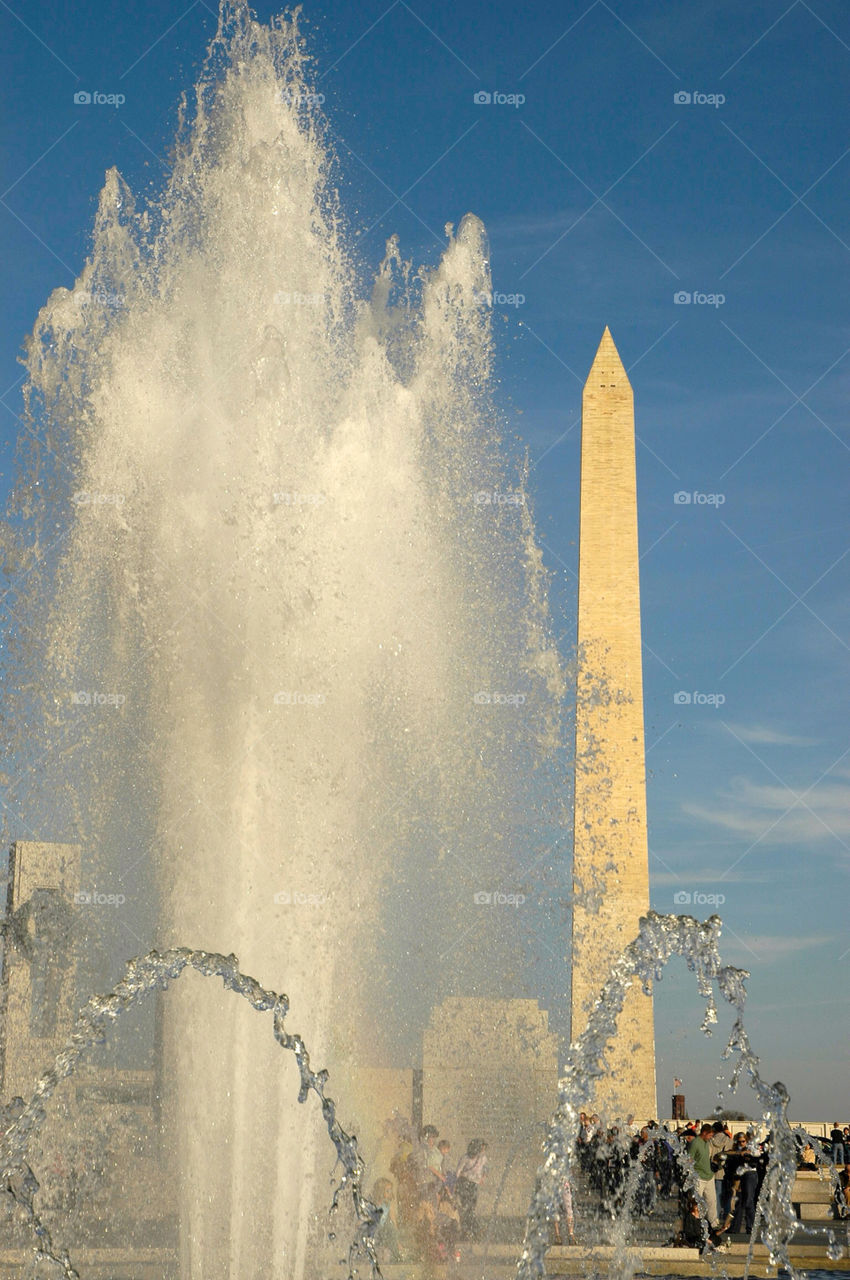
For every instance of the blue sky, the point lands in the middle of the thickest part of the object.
(604, 198)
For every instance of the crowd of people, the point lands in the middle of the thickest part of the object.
(434, 1201)
(814, 1153)
(716, 1176)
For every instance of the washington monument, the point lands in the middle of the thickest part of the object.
(610, 862)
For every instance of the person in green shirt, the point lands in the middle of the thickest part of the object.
(700, 1153)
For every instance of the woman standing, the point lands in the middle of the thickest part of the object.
(566, 1213)
(471, 1172)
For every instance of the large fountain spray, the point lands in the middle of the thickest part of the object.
(282, 663)
(253, 523)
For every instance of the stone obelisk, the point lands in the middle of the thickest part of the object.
(610, 862)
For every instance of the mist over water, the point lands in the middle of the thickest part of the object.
(281, 645)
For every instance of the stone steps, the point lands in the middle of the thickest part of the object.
(499, 1263)
(813, 1197)
(99, 1264)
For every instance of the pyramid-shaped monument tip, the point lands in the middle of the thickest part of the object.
(607, 363)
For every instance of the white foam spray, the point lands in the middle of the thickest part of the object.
(268, 527)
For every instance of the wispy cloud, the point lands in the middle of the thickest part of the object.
(529, 230)
(781, 815)
(783, 1006)
(771, 948)
(687, 879)
(771, 737)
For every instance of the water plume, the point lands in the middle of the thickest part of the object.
(279, 655)
(281, 647)
(659, 939)
(142, 977)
